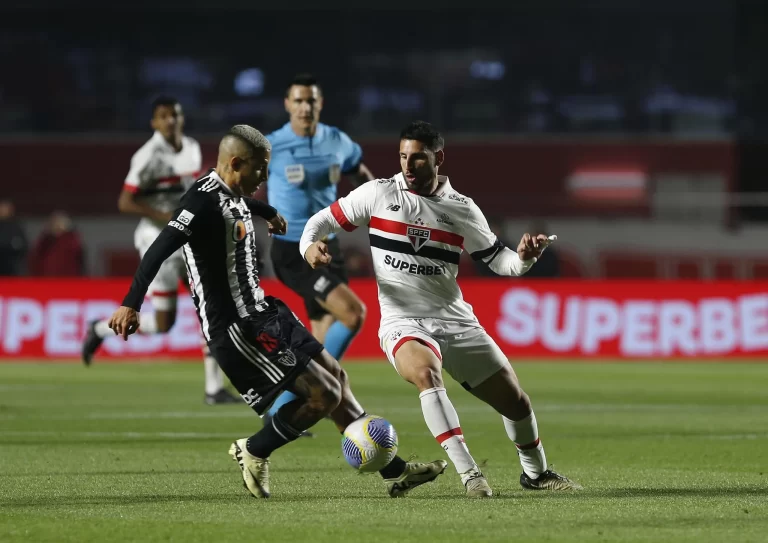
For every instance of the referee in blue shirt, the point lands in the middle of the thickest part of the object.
(308, 161)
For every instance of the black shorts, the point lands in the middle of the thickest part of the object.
(294, 272)
(263, 354)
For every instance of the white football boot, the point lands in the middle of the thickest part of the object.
(415, 474)
(255, 470)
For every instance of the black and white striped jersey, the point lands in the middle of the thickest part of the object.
(213, 226)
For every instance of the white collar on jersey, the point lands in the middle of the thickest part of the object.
(443, 185)
(158, 137)
(216, 177)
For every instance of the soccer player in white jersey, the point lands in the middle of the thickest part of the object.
(418, 226)
(161, 171)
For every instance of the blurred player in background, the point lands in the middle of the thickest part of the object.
(308, 161)
(161, 171)
(418, 226)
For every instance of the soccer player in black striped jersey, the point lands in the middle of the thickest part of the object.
(259, 343)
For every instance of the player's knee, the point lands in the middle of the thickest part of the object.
(330, 397)
(342, 377)
(427, 377)
(164, 321)
(354, 315)
(523, 401)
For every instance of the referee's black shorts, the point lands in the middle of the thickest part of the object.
(294, 272)
(262, 355)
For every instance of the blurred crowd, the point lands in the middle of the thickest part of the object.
(57, 252)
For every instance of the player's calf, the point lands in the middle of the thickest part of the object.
(503, 392)
(419, 364)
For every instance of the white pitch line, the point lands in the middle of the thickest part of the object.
(383, 410)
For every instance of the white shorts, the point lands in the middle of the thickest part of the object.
(467, 352)
(164, 289)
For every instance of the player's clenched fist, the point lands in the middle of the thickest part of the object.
(317, 255)
(532, 246)
(277, 225)
(124, 322)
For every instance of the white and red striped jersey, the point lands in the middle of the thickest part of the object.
(416, 242)
(161, 175)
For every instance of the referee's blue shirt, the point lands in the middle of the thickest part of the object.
(304, 173)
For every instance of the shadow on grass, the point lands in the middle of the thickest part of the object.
(425, 495)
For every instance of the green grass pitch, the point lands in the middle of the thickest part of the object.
(129, 452)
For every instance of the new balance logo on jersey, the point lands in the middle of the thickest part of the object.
(251, 397)
(393, 207)
(417, 236)
(413, 268)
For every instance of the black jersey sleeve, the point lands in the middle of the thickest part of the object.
(186, 220)
(262, 209)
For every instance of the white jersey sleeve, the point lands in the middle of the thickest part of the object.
(356, 208)
(482, 244)
(140, 163)
(346, 213)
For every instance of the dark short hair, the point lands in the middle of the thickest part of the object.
(163, 100)
(303, 80)
(425, 133)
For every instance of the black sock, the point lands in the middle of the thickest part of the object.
(272, 436)
(394, 469)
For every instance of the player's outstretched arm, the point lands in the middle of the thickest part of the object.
(347, 213)
(484, 245)
(312, 248)
(177, 232)
(125, 320)
(130, 203)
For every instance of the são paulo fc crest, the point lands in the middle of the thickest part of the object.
(417, 236)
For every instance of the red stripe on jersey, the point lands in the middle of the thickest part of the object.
(173, 179)
(133, 189)
(395, 227)
(177, 178)
(449, 434)
(338, 214)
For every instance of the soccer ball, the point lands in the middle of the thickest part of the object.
(369, 444)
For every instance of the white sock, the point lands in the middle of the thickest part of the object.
(525, 434)
(214, 377)
(443, 421)
(102, 329)
(147, 323)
